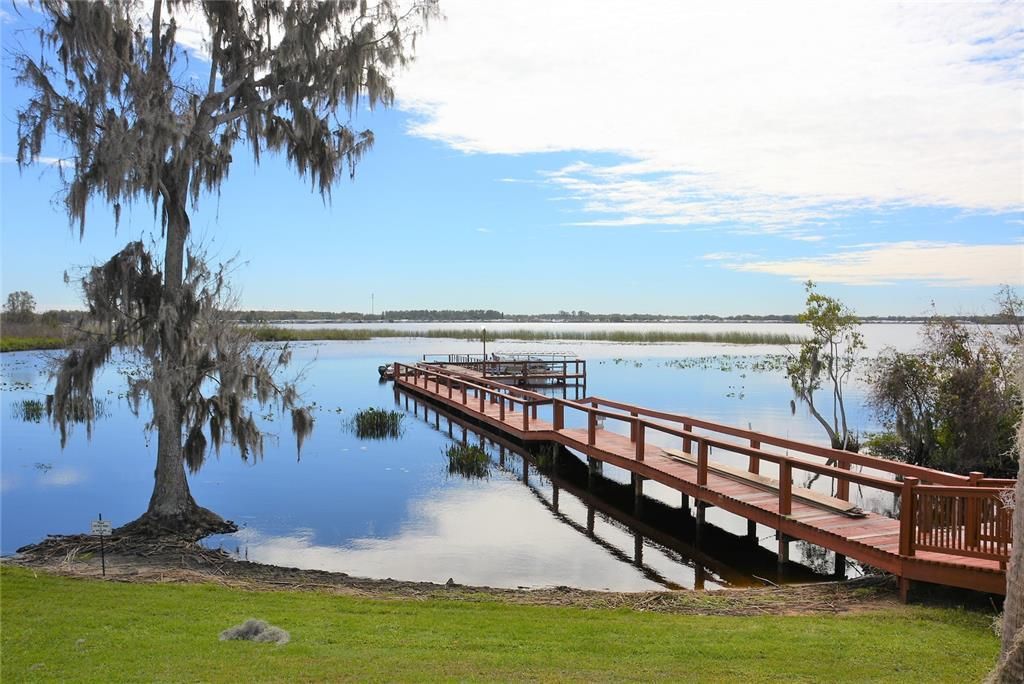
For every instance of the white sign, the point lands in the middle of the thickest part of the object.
(101, 528)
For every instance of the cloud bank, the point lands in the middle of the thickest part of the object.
(933, 263)
(776, 116)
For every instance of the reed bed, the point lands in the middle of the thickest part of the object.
(274, 334)
(29, 410)
(467, 460)
(16, 344)
(377, 423)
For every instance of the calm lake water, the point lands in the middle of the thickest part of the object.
(388, 508)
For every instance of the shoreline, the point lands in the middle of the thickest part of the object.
(182, 562)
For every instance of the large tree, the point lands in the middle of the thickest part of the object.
(112, 82)
(20, 306)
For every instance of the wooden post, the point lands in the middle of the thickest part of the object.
(632, 426)
(687, 440)
(755, 463)
(702, 463)
(465, 399)
(783, 551)
(591, 428)
(533, 410)
(526, 417)
(448, 381)
(640, 428)
(907, 523)
(785, 487)
(558, 414)
(501, 407)
(483, 399)
(843, 486)
(972, 513)
(839, 569)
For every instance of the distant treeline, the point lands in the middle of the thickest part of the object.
(453, 315)
(62, 316)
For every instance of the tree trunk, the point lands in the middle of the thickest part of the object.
(172, 510)
(1011, 655)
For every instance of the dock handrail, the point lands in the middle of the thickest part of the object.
(843, 457)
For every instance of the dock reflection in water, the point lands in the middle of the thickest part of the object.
(664, 542)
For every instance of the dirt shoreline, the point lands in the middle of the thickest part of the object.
(175, 562)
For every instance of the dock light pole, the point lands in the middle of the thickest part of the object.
(483, 338)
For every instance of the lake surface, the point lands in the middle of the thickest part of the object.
(388, 508)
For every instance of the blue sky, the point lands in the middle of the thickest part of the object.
(874, 148)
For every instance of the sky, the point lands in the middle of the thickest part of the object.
(656, 157)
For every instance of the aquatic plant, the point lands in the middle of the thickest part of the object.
(275, 334)
(377, 423)
(468, 460)
(29, 410)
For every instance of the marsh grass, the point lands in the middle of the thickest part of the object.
(15, 344)
(274, 334)
(468, 461)
(377, 423)
(29, 410)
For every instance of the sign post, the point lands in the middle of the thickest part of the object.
(102, 528)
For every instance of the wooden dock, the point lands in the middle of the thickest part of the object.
(521, 370)
(952, 529)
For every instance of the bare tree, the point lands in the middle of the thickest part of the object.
(108, 82)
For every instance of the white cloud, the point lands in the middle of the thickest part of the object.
(934, 263)
(47, 161)
(773, 115)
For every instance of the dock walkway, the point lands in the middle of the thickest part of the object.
(952, 530)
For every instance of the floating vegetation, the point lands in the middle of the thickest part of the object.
(768, 363)
(468, 460)
(29, 410)
(377, 423)
(275, 334)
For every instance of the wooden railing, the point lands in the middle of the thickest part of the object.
(460, 390)
(963, 521)
(537, 369)
(961, 515)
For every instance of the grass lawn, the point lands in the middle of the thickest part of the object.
(54, 628)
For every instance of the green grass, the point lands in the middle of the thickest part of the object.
(377, 423)
(86, 630)
(274, 334)
(468, 460)
(15, 344)
(29, 410)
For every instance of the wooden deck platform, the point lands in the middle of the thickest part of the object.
(952, 530)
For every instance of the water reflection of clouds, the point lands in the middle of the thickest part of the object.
(61, 476)
(498, 538)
